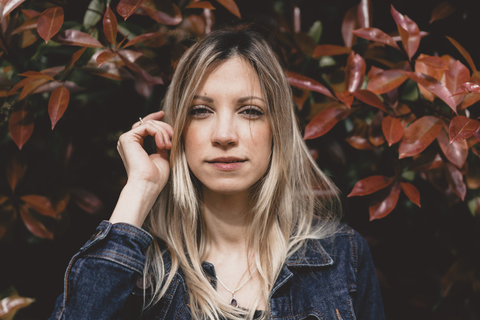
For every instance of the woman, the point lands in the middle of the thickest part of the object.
(243, 225)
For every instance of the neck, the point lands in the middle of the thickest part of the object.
(226, 219)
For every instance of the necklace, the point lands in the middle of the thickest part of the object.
(233, 301)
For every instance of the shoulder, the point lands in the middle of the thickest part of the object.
(346, 243)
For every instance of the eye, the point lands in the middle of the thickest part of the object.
(252, 112)
(200, 111)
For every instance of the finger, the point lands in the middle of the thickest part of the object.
(165, 128)
(154, 116)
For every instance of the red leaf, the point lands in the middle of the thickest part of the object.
(383, 207)
(299, 81)
(126, 8)
(375, 134)
(455, 152)
(456, 75)
(346, 98)
(8, 6)
(12, 303)
(231, 6)
(468, 87)
(455, 180)
(27, 39)
(49, 87)
(412, 192)
(53, 71)
(409, 32)
(386, 81)
(50, 22)
(21, 126)
(434, 86)
(350, 23)
(3, 199)
(429, 65)
(329, 50)
(20, 84)
(200, 5)
(433, 61)
(354, 72)
(464, 53)
(426, 161)
(364, 13)
(374, 71)
(370, 98)
(77, 38)
(110, 26)
(105, 56)
(41, 204)
(419, 135)
(462, 128)
(162, 11)
(30, 13)
(154, 37)
(325, 120)
(441, 11)
(33, 225)
(57, 104)
(27, 25)
(111, 70)
(31, 86)
(145, 68)
(36, 75)
(74, 58)
(392, 129)
(376, 35)
(15, 173)
(87, 201)
(358, 137)
(370, 185)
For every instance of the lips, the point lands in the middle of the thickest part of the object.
(226, 160)
(227, 163)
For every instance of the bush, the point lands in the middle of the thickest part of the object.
(388, 111)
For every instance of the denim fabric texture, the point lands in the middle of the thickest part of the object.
(328, 279)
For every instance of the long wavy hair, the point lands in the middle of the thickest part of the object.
(293, 202)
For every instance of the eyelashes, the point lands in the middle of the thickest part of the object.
(203, 111)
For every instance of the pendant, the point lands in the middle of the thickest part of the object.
(233, 302)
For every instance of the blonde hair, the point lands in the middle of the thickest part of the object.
(293, 202)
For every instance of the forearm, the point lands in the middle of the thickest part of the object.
(134, 203)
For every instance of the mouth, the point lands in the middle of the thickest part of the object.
(226, 160)
(227, 163)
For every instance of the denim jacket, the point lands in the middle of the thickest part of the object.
(328, 279)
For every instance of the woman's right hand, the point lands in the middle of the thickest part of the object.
(147, 174)
(153, 169)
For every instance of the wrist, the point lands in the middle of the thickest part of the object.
(135, 202)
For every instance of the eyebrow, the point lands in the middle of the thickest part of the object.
(241, 100)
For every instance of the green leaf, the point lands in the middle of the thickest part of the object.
(316, 31)
(93, 14)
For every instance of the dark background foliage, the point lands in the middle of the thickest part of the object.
(427, 258)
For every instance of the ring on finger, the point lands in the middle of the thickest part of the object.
(141, 120)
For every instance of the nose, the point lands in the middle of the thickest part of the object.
(224, 133)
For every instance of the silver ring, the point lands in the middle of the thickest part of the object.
(141, 120)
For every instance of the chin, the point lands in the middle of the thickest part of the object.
(226, 187)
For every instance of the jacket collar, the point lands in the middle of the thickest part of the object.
(312, 254)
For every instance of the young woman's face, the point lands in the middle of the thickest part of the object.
(228, 139)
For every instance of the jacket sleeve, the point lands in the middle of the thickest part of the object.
(101, 276)
(368, 299)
